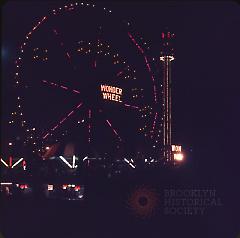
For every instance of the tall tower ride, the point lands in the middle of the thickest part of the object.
(166, 58)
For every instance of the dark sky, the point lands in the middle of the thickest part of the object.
(205, 75)
(205, 82)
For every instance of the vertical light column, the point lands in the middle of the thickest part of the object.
(166, 57)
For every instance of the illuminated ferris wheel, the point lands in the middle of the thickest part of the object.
(87, 80)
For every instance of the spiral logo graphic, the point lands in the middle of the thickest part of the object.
(143, 202)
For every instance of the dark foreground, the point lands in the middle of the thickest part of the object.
(130, 206)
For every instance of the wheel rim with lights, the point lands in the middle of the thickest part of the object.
(63, 70)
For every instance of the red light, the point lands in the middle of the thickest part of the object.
(77, 188)
(22, 186)
(10, 161)
(162, 35)
(24, 164)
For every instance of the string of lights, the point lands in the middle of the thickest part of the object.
(100, 50)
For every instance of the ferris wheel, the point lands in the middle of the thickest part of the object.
(82, 76)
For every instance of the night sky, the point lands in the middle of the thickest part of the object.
(205, 76)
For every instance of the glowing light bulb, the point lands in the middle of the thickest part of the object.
(178, 157)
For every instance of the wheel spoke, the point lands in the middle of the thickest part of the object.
(114, 131)
(57, 34)
(51, 84)
(154, 123)
(63, 120)
(119, 73)
(89, 125)
(95, 64)
(147, 65)
(131, 106)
